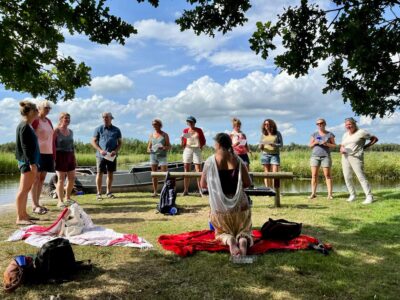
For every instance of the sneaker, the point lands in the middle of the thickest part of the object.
(351, 198)
(312, 196)
(368, 200)
(99, 197)
(110, 195)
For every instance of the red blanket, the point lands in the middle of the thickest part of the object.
(188, 243)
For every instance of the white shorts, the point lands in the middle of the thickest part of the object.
(192, 155)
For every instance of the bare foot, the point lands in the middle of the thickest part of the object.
(243, 246)
(233, 247)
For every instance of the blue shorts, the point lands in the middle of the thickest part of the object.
(156, 159)
(24, 167)
(321, 161)
(270, 159)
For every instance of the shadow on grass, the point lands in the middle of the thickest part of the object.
(121, 220)
(357, 259)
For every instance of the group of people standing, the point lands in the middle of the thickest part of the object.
(354, 141)
(40, 148)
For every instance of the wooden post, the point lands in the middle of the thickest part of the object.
(277, 187)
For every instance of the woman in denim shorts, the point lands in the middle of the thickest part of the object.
(270, 143)
(321, 142)
(158, 146)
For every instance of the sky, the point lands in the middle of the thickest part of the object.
(167, 74)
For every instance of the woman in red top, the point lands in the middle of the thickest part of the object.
(193, 141)
(239, 142)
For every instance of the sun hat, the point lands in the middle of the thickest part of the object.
(191, 119)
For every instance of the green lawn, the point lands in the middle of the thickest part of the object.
(364, 264)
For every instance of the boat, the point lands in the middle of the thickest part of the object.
(136, 179)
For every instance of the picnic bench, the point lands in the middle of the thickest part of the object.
(277, 176)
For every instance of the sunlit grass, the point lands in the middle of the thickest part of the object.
(363, 265)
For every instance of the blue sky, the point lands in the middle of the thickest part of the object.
(164, 73)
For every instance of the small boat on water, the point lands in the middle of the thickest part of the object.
(137, 179)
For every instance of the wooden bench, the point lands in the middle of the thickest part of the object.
(277, 176)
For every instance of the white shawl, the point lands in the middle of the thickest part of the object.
(218, 201)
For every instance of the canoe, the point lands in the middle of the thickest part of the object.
(137, 179)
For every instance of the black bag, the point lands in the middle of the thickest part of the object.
(55, 260)
(280, 230)
(168, 197)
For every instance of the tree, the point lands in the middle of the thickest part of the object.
(31, 31)
(361, 40)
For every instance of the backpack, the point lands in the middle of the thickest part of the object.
(167, 197)
(19, 271)
(55, 260)
(280, 230)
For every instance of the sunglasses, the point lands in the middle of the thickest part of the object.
(47, 107)
(320, 124)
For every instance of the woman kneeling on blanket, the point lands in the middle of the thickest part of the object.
(225, 176)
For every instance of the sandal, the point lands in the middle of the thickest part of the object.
(25, 222)
(40, 210)
(110, 195)
(61, 205)
(70, 202)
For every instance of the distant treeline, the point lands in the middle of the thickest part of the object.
(135, 146)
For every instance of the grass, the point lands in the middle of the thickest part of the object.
(363, 265)
(378, 165)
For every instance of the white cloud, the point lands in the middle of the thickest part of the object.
(177, 72)
(149, 69)
(95, 52)
(170, 35)
(239, 60)
(108, 84)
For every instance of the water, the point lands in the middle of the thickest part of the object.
(9, 186)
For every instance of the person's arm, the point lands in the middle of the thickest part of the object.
(247, 144)
(279, 142)
(183, 139)
(28, 144)
(119, 145)
(149, 144)
(313, 142)
(203, 179)
(246, 180)
(96, 146)
(372, 140)
(202, 138)
(167, 142)
(331, 142)
(261, 144)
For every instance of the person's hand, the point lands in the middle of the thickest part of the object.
(103, 152)
(33, 167)
(262, 146)
(113, 153)
(343, 150)
(236, 144)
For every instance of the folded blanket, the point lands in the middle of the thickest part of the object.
(188, 243)
(36, 235)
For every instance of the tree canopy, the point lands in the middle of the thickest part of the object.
(31, 31)
(360, 38)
